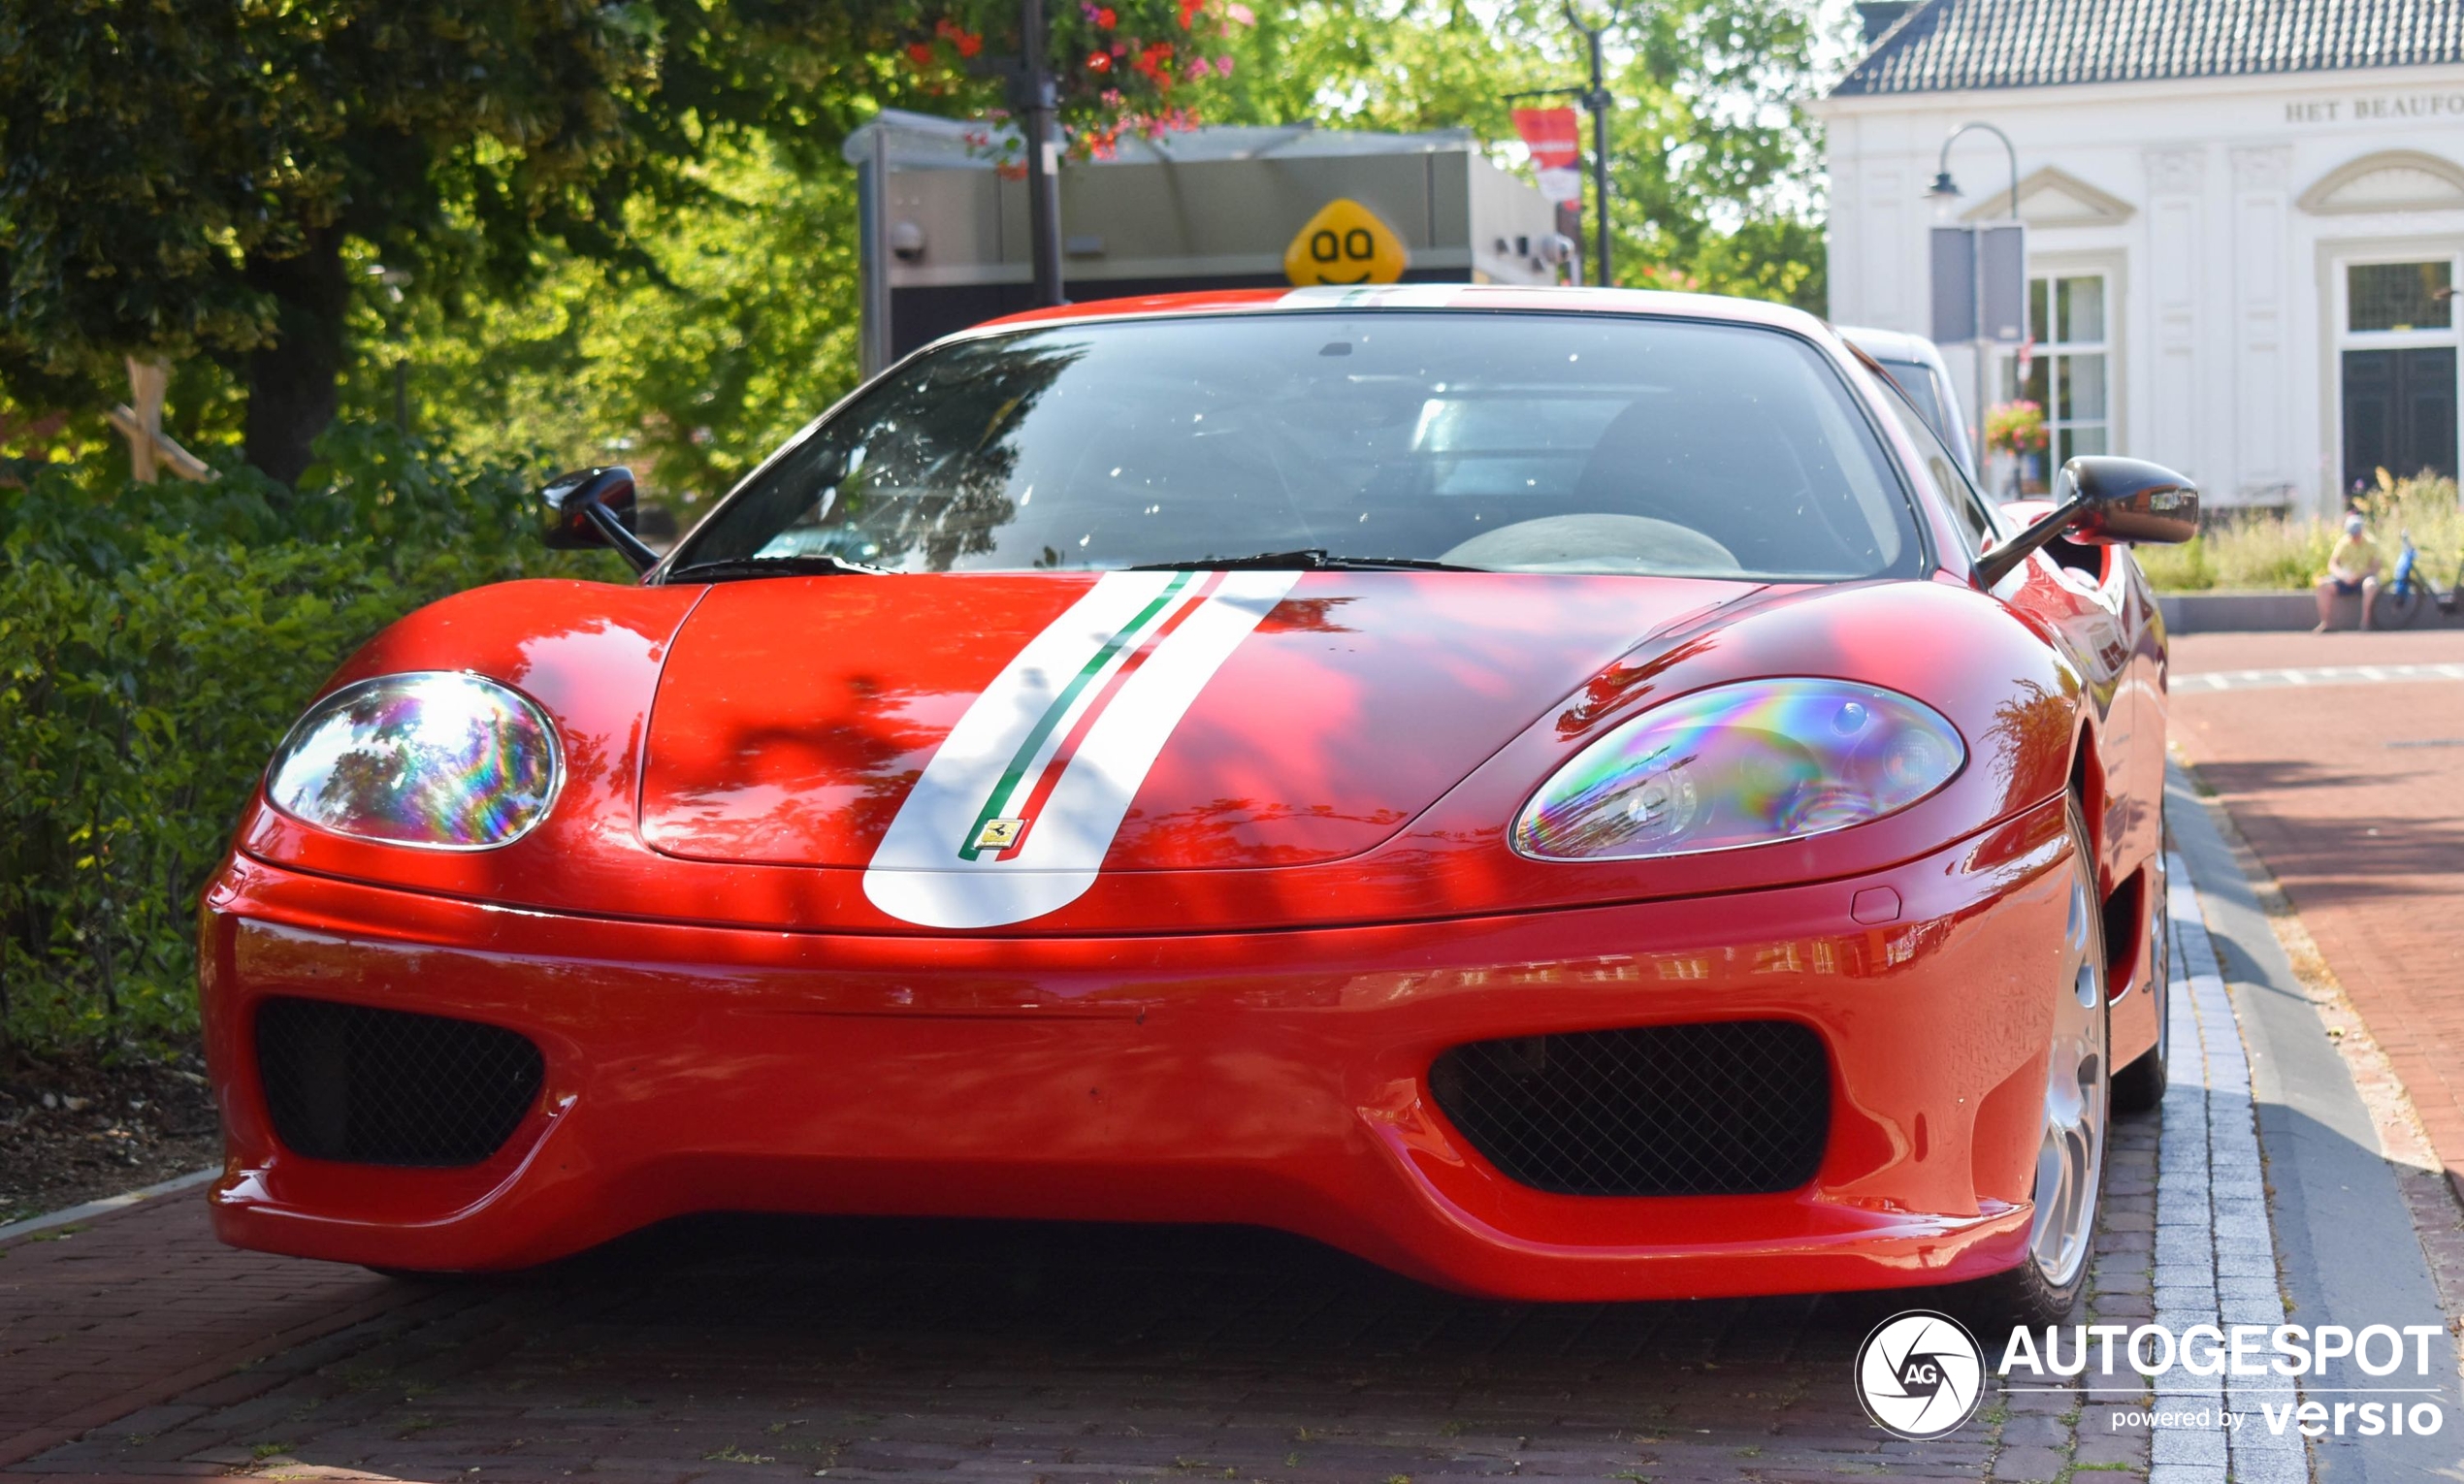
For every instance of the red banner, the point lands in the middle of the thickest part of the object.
(1554, 137)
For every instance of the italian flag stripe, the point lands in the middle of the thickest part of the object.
(1022, 760)
(1052, 772)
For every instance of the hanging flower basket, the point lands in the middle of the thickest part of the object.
(2014, 427)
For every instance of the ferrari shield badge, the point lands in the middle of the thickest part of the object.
(999, 834)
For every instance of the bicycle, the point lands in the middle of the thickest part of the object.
(2401, 602)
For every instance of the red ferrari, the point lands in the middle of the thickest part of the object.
(1567, 794)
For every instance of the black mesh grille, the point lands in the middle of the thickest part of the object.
(1731, 1108)
(387, 1088)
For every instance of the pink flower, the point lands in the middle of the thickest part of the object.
(1240, 15)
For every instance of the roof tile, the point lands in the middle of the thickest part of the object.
(1943, 45)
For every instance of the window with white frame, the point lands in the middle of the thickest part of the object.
(2396, 347)
(2067, 369)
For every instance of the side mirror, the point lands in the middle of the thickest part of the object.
(2100, 500)
(595, 507)
(2124, 501)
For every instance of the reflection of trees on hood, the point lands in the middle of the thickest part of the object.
(938, 452)
(2033, 722)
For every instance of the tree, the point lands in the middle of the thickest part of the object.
(180, 179)
(691, 369)
(1714, 165)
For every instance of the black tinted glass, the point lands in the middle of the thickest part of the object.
(1917, 381)
(1516, 442)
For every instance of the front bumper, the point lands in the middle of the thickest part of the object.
(1270, 1078)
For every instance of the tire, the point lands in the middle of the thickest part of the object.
(2070, 1164)
(2401, 610)
(2139, 1087)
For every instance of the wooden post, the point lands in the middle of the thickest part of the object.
(150, 450)
(147, 383)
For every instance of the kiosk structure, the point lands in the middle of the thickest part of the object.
(944, 240)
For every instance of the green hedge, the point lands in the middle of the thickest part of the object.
(2291, 552)
(155, 642)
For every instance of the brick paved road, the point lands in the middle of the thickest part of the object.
(746, 1349)
(99, 1317)
(2354, 796)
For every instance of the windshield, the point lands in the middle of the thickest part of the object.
(1549, 443)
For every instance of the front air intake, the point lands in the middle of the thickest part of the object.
(1726, 1108)
(389, 1087)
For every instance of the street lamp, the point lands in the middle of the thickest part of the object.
(1944, 191)
(1033, 97)
(1944, 188)
(1597, 100)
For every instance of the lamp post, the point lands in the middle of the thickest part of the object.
(1945, 190)
(1035, 100)
(1597, 100)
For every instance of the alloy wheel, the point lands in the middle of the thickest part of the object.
(2071, 1159)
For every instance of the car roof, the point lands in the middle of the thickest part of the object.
(1490, 297)
(1892, 345)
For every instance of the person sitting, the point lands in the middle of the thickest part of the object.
(2352, 568)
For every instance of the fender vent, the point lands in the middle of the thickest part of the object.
(1727, 1108)
(388, 1087)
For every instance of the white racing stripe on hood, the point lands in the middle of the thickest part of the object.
(924, 872)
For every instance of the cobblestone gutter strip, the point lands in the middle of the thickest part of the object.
(2214, 1258)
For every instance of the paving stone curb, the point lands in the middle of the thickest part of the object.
(92, 1209)
(2214, 1253)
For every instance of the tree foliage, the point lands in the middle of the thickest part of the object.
(740, 326)
(1713, 162)
(738, 329)
(155, 642)
(181, 179)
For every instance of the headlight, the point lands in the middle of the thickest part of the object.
(437, 759)
(1741, 764)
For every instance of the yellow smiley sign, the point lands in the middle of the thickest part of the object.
(1345, 244)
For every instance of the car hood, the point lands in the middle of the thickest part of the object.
(1070, 724)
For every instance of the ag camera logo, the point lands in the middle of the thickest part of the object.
(1920, 1375)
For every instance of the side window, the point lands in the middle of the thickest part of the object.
(1980, 522)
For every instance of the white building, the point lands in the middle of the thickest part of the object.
(2245, 221)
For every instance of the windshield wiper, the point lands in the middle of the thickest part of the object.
(807, 564)
(1309, 558)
